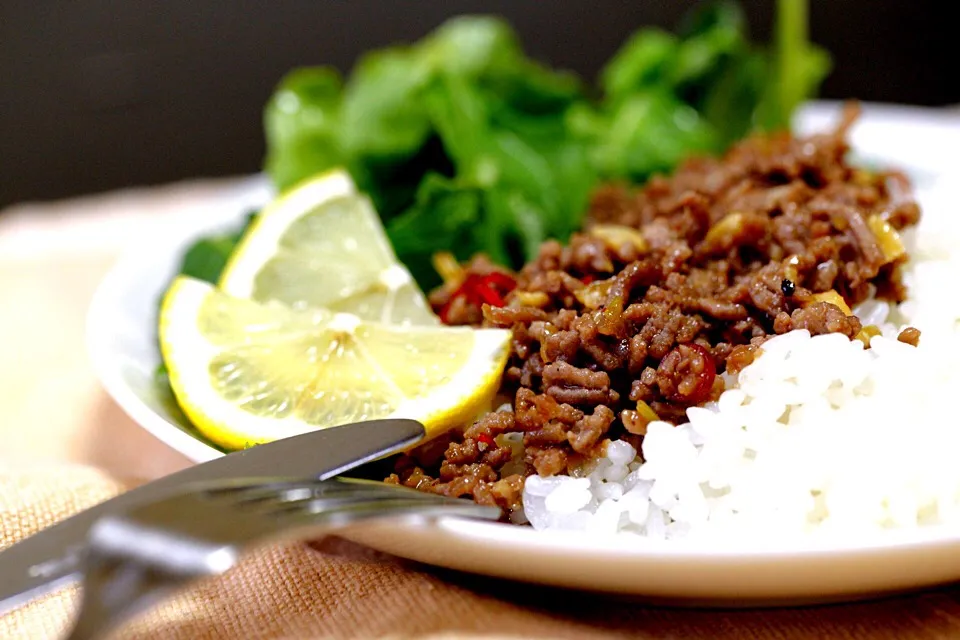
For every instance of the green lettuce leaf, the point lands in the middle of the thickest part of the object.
(465, 143)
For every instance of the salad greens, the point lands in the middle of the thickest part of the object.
(206, 259)
(467, 145)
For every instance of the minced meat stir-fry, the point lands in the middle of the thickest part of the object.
(666, 288)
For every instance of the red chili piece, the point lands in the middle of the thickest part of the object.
(490, 288)
(485, 438)
(501, 280)
(445, 312)
(588, 279)
(705, 376)
(484, 292)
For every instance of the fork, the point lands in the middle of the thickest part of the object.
(139, 557)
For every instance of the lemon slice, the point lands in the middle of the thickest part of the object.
(247, 373)
(321, 245)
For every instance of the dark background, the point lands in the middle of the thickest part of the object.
(99, 94)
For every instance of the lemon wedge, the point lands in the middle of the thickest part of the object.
(321, 245)
(246, 372)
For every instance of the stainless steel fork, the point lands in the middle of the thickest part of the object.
(135, 559)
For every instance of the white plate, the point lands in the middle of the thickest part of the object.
(121, 333)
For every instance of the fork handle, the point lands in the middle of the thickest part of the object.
(134, 576)
(135, 567)
(134, 588)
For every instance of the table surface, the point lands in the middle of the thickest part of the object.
(52, 256)
(52, 410)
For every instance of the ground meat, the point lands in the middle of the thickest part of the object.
(454, 305)
(818, 318)
(587, 430)
(577, 386)
(534, 411)
(910, 336)
(741, 356)
(504, 493)
(666, 288)
(559, 344)
(548, 461)
(686, 374)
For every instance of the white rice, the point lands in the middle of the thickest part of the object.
(818, 436)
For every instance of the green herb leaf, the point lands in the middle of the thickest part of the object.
(301, 123)
(382, 118)
(206, 258)
(796, 70)
(450, 211)
(465, 143)
(647, 133)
